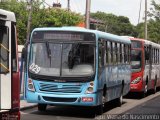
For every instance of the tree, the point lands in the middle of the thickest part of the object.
(19, 8)
(119, 25)
(153, 24)
(41, 16)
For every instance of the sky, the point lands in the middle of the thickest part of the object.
(128, 8)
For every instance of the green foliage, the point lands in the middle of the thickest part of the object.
(59, 17)
(153, 25)
(52, 17)
(41, 16)
(19, 8)
(119, 25)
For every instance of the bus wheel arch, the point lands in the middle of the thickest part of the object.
(100, 108)
(119, 100)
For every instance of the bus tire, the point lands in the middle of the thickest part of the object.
(42, 107)
(120, 99)
(144, 93)
(155, 86)
(99, 109)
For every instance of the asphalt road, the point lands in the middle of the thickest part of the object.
(150, 107)
(131, 105)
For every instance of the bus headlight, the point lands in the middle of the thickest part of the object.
(90, 87)
(31, 85)
(137, 80)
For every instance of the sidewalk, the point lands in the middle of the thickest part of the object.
(24, 105)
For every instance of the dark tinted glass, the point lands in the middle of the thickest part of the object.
(62, 36)
(136, 44)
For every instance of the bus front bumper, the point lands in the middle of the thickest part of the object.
(62, 99)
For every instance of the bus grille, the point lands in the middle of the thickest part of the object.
(60, 88)
(55, 99)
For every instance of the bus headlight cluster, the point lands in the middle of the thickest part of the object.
(137, 80)
(90, 87)
(31, 85)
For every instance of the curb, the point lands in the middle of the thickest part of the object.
(28, 107)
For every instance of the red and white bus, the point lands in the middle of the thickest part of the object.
(9, 71)
(145, 58)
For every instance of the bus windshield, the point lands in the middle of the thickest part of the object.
(136, 44)
(136, 60)
(62, 59)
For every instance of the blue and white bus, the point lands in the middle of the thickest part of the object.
(76, 66)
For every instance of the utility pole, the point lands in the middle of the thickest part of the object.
(87, 17)
(145, 20)
(139, 11)
(30, 8)
(68, 5)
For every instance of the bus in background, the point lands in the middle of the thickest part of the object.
(20, 48)
(145, 59)
(9, 72)
(78, 67)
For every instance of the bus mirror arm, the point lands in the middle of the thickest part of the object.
(24, 53)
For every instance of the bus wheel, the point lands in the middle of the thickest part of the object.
(146, 89)
(120, 100)
(99, 109)
(42, 107)
(144, 93)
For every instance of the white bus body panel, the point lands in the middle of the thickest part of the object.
(5, 80)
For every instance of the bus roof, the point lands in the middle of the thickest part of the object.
(99, 34)
(7, 15)
(147, 42)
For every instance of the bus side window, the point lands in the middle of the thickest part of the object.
(101, 53)
(120, 55)
(158, 56)
(4, 49)
(129, 54)
(109, 52)
(114, 52)
(123, 61)
(147, 54)
(13, 49)
(125, 51)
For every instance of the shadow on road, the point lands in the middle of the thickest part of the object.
(73, 112)
(137, 95)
